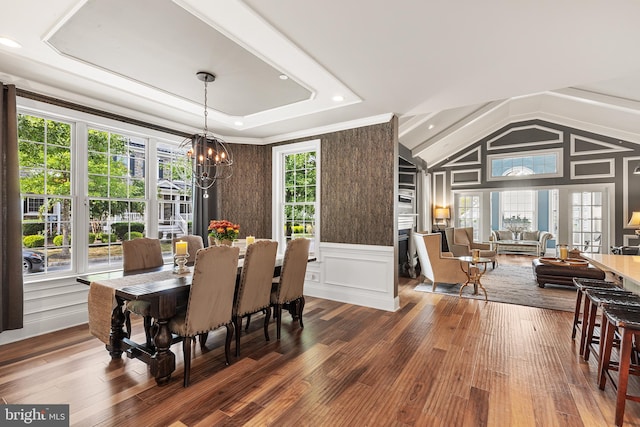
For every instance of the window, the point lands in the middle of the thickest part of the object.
(518, 210)
(467, 212)
(586, 221)
(85, 189)
(296, 192)
(541, 163)
(175, 215)
(45, 187)
(117, 191)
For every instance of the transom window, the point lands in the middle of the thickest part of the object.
(541, 164)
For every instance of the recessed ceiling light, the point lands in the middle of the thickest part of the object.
(238, 123)
(9, 42)
(431, 126)
(338, 98)
(284, 77)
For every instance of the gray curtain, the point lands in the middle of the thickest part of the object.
(11, 295)
(204, 210)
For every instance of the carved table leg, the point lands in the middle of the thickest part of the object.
(117, 331)
(163, 362)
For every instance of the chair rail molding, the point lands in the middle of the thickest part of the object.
(354, 274)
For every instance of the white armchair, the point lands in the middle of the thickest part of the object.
(435, 267)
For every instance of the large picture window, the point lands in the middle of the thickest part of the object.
(86, 189)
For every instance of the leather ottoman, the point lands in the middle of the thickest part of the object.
(562, 275)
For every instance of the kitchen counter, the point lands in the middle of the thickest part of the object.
(625, 266)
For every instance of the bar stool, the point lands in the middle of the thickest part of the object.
(581, 285)
(627, 321)
(597, 298)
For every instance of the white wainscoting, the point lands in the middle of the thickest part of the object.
(355, 274)
(50, 306)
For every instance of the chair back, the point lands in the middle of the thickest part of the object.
(254, 291)
(194, 243)
(141, 254)
(212, 288)
(427, 244)
(294, 268)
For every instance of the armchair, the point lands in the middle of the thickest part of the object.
(461, 243)
(436, 267)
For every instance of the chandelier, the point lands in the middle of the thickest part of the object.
(209, 156)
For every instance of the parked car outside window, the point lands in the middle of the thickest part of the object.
(32, 261)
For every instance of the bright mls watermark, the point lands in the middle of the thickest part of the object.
(34, 415)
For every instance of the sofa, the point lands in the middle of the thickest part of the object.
(529, 241)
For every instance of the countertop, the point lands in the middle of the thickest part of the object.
(625, 266)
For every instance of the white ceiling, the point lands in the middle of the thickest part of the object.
(452, 71)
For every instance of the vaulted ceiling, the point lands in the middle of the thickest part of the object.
(452, 71)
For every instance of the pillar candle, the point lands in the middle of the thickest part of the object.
(181, 248)
(250, 240)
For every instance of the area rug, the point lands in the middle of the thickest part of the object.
(513, 284)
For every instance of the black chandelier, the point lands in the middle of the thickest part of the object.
(210, 157)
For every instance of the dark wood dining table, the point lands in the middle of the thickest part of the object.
(164, 297)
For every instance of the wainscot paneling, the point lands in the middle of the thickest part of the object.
(50, 306)
(355, 274)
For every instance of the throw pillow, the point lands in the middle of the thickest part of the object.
(504, 235)
(530, 235)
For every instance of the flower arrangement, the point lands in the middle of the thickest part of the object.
(221, 229)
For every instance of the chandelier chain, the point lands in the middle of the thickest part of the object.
(206, 113)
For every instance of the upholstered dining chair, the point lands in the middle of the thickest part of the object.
(254, 290)
(140, 254)
(210, 301)
(194, 243)
(289, 286)
(436, 267)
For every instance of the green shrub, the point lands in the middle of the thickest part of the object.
(109, 238)
(92, 237)
(58, 240)
(33, 241)
(133, 235)
(30, 228)
(298, 228)
(121, 228)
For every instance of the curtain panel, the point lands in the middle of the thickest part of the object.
(11, 285)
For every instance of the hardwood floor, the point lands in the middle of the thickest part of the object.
(438, 361)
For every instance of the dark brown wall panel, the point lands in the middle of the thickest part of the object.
(245, 198)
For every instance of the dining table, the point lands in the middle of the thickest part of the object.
(163, 289)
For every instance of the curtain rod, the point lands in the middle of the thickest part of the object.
(82, 108)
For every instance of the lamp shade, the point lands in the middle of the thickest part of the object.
(634, 222)
(443, 213)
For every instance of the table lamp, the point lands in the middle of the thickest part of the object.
(442, 214)
(634, 222)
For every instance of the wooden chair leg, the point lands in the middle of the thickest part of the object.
(147, 331)
(127, 322)
(246, 328)
(606, 344)
(623, 373)
(585, 318)
(301, 303)
(186, 351)
(278, 315)
(237, 323)
(591, 327)
(227, 343)
(267, 317)
(203, 339)
(576, 314)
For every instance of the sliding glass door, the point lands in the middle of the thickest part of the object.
(587, 209)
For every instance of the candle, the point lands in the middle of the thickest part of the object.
(181, 248)
(250, 240)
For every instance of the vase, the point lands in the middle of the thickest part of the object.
(219, 242)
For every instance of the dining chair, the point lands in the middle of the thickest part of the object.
(254, 290)
(140, 254)
(210, 302)
(194, 243)
(288, 288)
